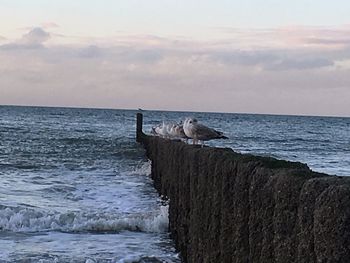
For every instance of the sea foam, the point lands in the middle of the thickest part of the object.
(19, 219)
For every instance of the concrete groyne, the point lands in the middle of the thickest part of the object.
(231, 207)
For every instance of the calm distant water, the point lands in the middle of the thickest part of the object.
(74, 185)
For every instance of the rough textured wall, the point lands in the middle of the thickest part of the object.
(230, 207)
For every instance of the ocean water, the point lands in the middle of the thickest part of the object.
(74, 184)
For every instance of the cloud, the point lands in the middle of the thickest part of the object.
(290, 37)
(49, 25)
(34, 39)
(91, 51)
(248, 58)
(180, 74)
(328, 41)
(273, 59)
(144, 55)
(300, 64)
(36, 36)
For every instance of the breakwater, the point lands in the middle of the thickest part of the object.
(231, 207)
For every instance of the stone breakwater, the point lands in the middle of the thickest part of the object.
(231, 207)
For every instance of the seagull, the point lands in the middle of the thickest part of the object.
(200, 132)
(160, 130)
(170, 131)
(177, 131)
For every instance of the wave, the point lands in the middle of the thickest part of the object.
(128, 259)
(20, 166)
(139, 259)
(23, 219)
(142, 168)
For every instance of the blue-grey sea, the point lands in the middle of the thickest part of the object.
(75, 186)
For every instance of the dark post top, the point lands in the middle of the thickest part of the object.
(139, 133)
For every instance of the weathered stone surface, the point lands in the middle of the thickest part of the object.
(230, 207)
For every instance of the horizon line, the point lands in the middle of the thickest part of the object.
(163, 110)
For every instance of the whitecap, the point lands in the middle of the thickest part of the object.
(23, 219)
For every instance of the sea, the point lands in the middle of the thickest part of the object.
(75, 186)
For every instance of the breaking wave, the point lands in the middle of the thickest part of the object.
(21, 219)
(143, 168)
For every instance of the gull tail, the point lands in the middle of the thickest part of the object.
(221, 135)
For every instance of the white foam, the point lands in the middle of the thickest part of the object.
(160, 222)
(144, 168)
(30, 220)
(55, 260)
(130, 259)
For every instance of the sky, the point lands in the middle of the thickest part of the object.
(254, 56)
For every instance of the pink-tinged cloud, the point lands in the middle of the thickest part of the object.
(36, 36)
(34, 39)
(292, 37)
(335, 42)
(176, 74)
(49, 25)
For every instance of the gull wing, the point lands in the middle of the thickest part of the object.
(205, 133)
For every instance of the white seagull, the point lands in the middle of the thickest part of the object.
(170, 131)
(200, 132)
(177, 131)
(160, 130)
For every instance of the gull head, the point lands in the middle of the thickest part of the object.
(191, 121)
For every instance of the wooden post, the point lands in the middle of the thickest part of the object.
(139, 133)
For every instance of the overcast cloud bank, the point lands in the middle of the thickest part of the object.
(285, 71)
